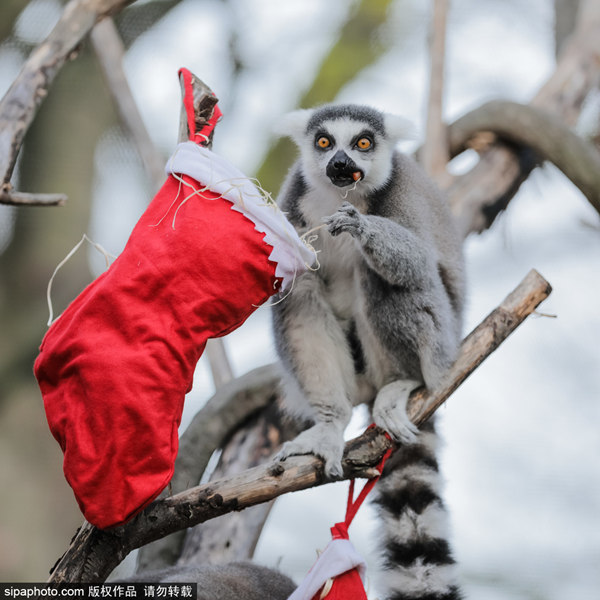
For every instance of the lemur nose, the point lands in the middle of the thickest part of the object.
(340, 160)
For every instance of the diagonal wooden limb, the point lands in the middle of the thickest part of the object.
(19, 105)
(94, 553)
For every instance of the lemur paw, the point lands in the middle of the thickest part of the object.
(323, 441)
(389, 411)
(345, 219)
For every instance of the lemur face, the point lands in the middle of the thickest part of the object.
(347, 146)
(344, 150)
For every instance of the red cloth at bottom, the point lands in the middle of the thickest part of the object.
(115, 366)
(339, 571)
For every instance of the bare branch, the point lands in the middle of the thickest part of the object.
(94, 553)
(220, 541)
(434, 154)
(23, 98)
(528, 126)
(481, 342)
(110, 51)
(220, 365)
(23, 199)
(480, 195)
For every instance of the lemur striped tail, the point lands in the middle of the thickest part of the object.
(418, 562)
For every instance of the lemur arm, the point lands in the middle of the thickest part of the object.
(394, 252)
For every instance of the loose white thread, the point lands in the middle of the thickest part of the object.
(345, 194)
(326, 588)
(85, 238)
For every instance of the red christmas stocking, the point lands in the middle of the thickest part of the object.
(339, 572)
(114, 368)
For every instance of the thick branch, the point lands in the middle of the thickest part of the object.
(21, 101)
(224, 540)
(94, 553)
(545, 134)
(230, 407)
(480, 195)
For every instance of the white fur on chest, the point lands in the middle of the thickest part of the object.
(338, 256)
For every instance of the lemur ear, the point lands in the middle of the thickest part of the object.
(399, 128)
(294, 124)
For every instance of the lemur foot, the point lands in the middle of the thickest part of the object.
(345, 219)
(322, 440)
(389, 411)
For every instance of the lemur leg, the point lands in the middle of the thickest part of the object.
(321, 379)
(389, 410)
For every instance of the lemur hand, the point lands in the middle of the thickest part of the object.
(345, 219)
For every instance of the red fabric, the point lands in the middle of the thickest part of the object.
(347, 586)
(114, 368)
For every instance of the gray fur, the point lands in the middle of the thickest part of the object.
(233, 581)
(388, 292)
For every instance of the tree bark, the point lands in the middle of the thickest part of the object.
(479, 196)
(220, 541)
(233, 404)
(20, 103)
(539, 131)
(93, 554)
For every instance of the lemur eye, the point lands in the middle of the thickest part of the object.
(364, 143)
(323, 142)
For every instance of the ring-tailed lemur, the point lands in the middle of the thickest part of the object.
(380, 316)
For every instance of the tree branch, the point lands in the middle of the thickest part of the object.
(232, 405)
(233, 539)
(23, 199)
(94, 553)
(434, 155)
(22, 100)
(528, 126)
(479, 196)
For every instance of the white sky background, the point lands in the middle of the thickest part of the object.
(521, 435)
